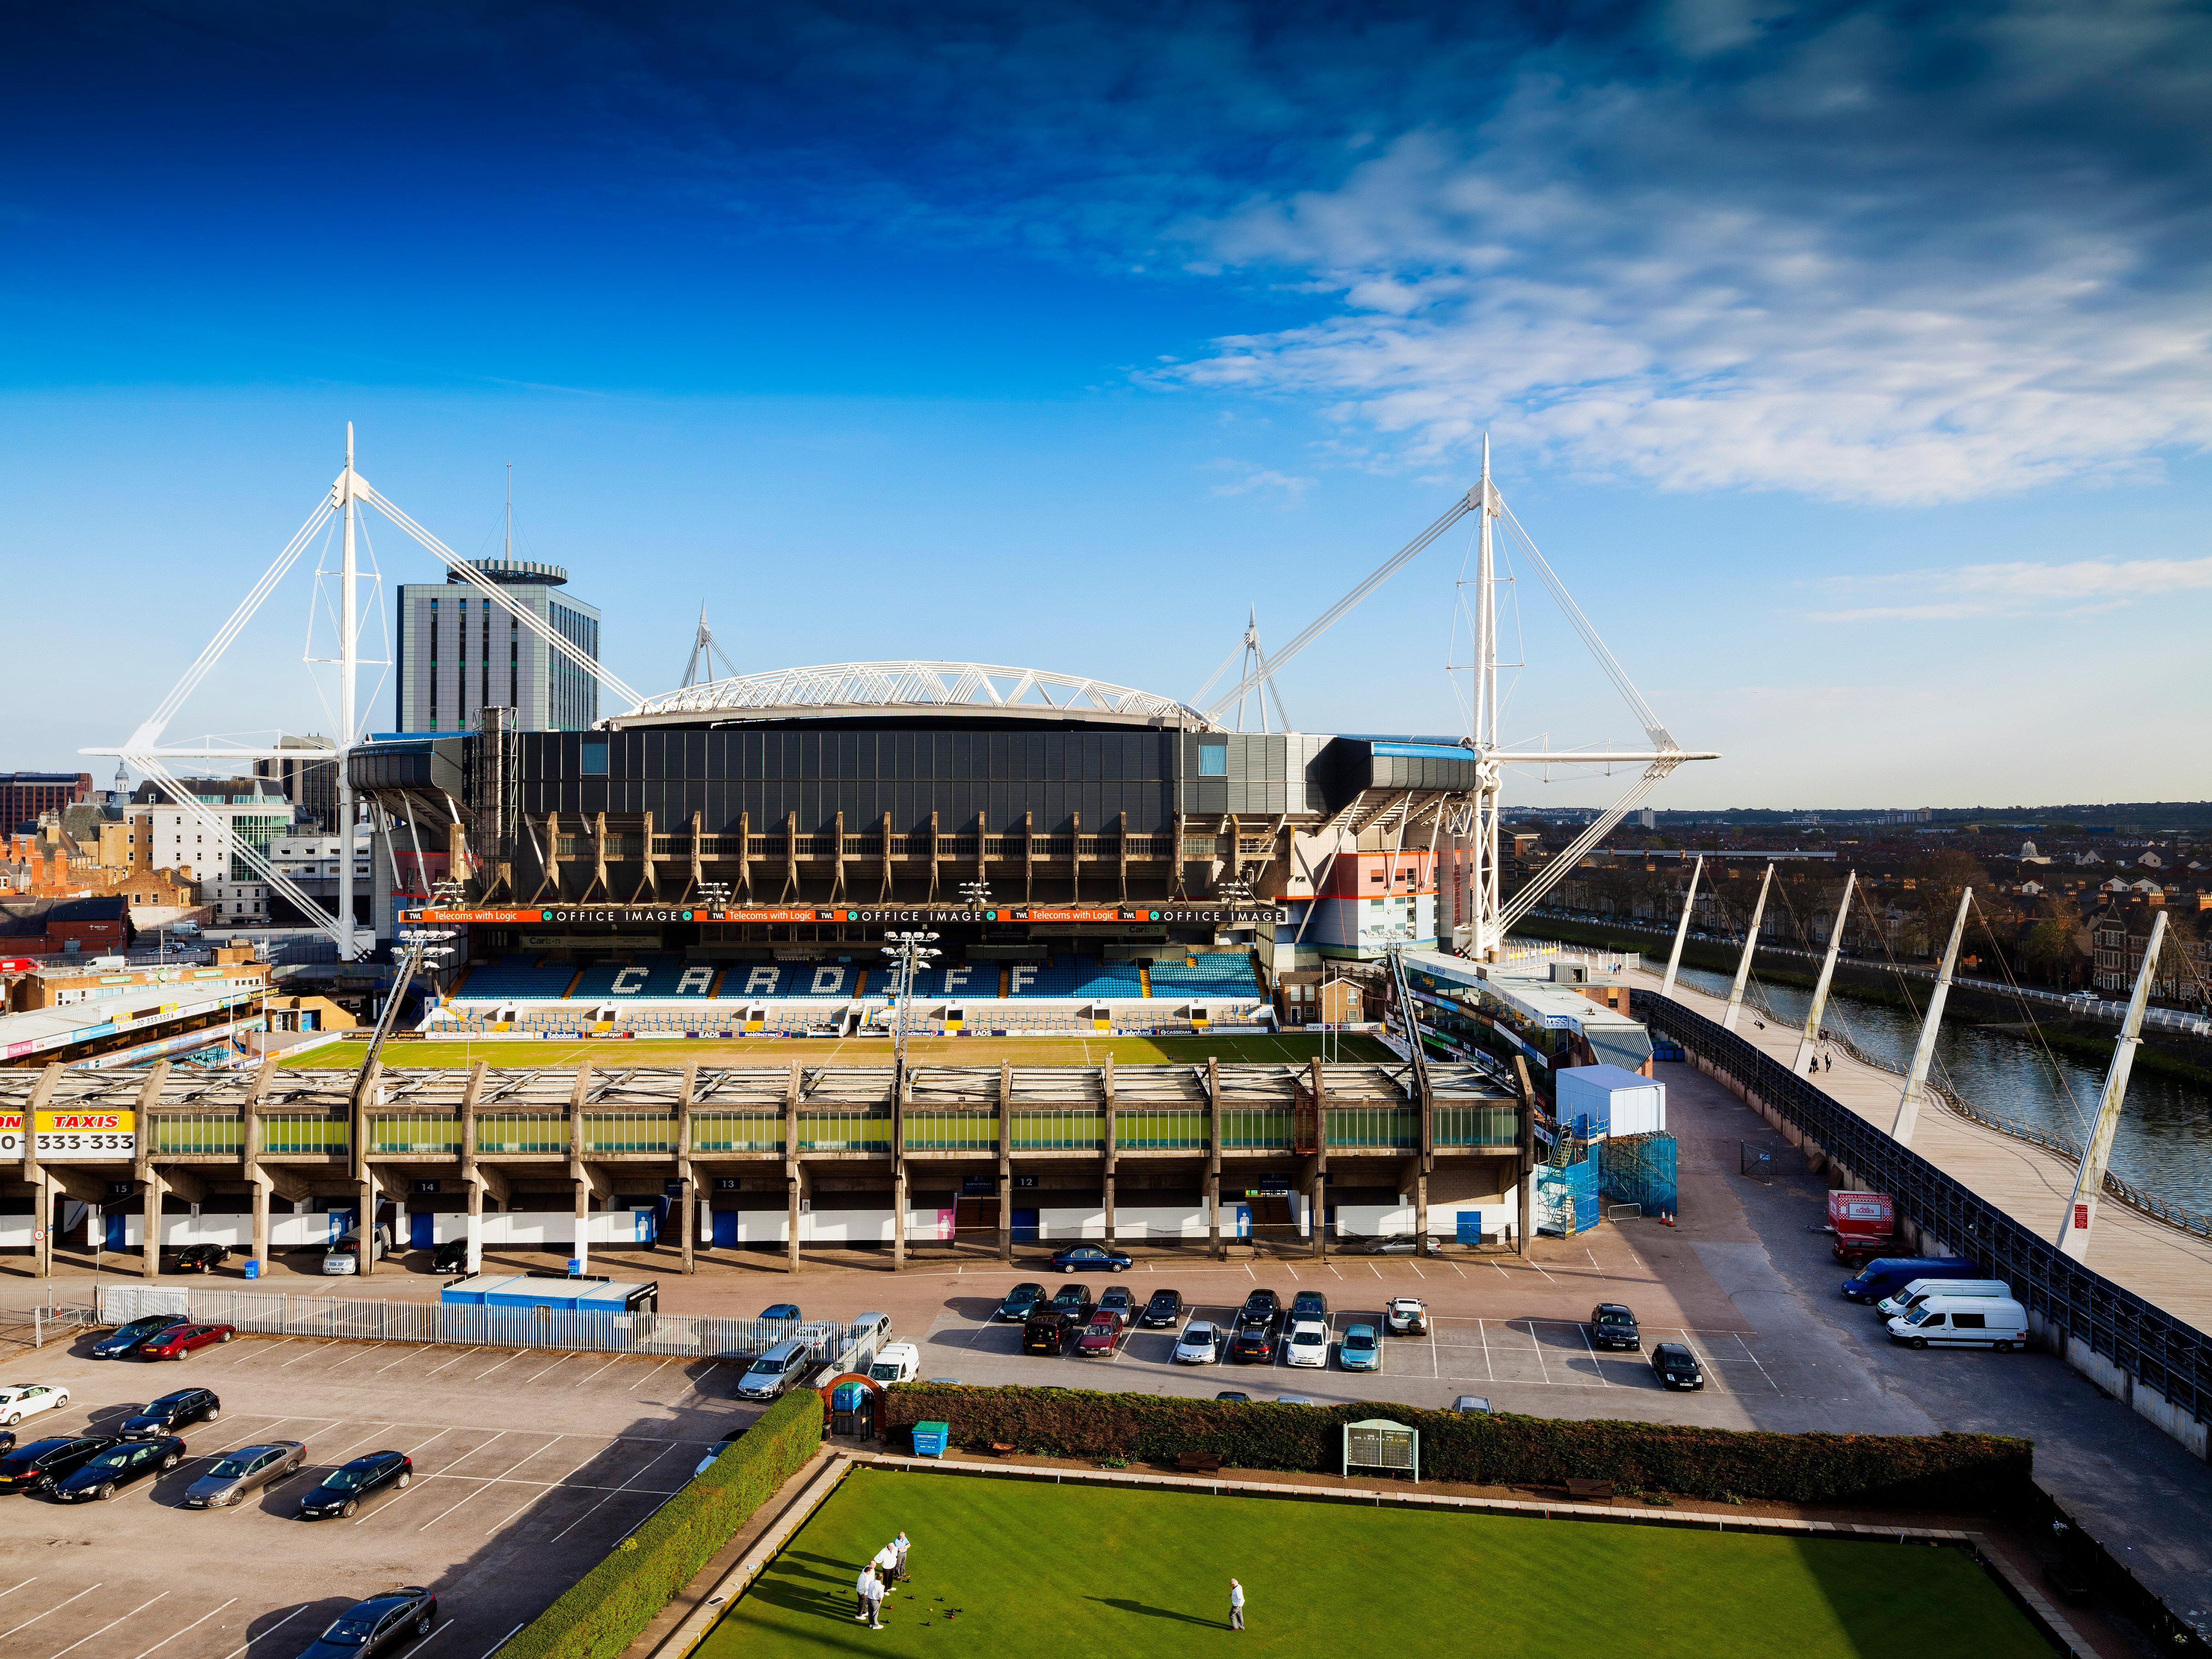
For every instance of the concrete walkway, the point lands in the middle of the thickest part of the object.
(2161, 1264)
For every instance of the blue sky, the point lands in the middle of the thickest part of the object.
(1853, 363)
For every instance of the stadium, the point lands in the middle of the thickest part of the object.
(729, 858)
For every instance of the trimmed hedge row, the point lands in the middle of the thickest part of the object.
(1953, 1471)
(602, 1613)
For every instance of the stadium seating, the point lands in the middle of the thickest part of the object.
(1074, 977)
(1213, 974)
(659, 975)
(518, 977)
(757, 982)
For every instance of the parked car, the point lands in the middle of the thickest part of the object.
(1098, 1339)
(1090, 1259)
(36, 1467)
(1675, 1366)
(1199, 1344)
(1359, 1349)
(1048, 1331)
(172, 1413)
(1903, 1302)
(1613, 1325)
(1384, 1244)
(1296, 1400)
(21, 1399)
(123, 1464)
(236, 1475)
(1119, 1305)
(782, 1311)
(201, 1258)
(1307, 1344)
(450, 1257)
(346, 1487)
(1262, 1307)
(774, 1371)
(1021, 1302)
(1164, 1309)
(1406, 1315)
(343, 1256)
(1471, 1404)
(123, 1341)
(1074, 1301)
(381, 1624)
(729, 1439)
(1963, 1321)
(182, 1341)
(1253, 1345)
(898, 1362)
(1235, 1397)
(7, 1439)
(1309, 1304)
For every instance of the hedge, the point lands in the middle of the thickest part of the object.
(603, 1612)
(1950, 1472)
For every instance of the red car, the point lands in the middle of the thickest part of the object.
(180, 1341)
(1100, 1336)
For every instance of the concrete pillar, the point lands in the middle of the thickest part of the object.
(152, 1190)
(583, 1250)
(261, 1185)
(1319, 1185)
(898, 1216)
(684, 1177)
(1212, 1153)
(1107, 1079)
(470, 1094)
(475, 1225)
(1006, 1161)
(367, 1224)
(900, 1102)
(794, 1172)
(1420, 1212)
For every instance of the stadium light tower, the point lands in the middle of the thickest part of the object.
(912, 953)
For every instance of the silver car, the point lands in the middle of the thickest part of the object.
(1199, 1344)
(247, 1469)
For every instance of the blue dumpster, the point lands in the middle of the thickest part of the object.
(929, 1438)
(846, 1396)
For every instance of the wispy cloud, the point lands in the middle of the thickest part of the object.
(2081, 587)
(1250, 477)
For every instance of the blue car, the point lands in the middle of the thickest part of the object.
(1090, 1259)
(1359, 1349)
(126, 1340)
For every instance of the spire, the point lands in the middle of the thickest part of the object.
(509, 553)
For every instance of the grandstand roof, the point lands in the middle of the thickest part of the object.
(914, 689)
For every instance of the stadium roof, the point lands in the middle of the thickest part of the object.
(912, 689)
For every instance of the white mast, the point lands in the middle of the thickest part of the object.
(1682, 927)
(1489, 888)
(348, 715)
(1923, 1052)
(1803, 1064)
(2089, 1180)
(1750, 945)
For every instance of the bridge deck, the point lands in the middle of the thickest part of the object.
(2161, 1264)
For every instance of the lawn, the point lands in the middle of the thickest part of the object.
(1067, 1569)
(1290, 1048)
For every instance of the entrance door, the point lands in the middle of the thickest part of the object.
(645, 1218)
(975, 1217)
(117, 1238)
(341, 1223)
(1025, 1225)
(421, 1230)
(725, 1229)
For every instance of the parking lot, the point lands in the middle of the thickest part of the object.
(529, 1467)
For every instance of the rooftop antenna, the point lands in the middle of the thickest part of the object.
(705, 651)
(507, 556)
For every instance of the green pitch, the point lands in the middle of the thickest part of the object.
(1291, 1048)
(1081, 1571)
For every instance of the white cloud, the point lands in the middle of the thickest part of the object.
(2010, 590)
(1251, 478)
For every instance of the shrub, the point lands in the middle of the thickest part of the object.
(1952, 1472)
(604, 1611)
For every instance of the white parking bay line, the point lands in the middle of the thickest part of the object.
(581, 1381)
(271, 1630)
(443, 1513)
(463, 1354)
(109, 1625)
(174, 1634)
(56, 1607)
(502, 1643)
(12, 1589)
(633, 1387)
(296, 1358)
(594, 1510)
(509, 1360)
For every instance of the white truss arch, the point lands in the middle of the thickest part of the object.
(913, 687)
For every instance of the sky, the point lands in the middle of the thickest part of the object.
(1851, 364)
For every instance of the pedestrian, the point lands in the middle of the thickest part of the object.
(1236, 1605)
(886, 1567)
(864, 1592)
(900, 1545)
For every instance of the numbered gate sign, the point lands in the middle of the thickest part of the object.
(1379, 1443)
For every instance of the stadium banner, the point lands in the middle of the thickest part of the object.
(634, 914)
(71, 1136)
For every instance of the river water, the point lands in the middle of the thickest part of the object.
(2165, 1140)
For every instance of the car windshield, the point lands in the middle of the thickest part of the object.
(230, 1469)
(884, 1372)
(1307, 1339)
(345, 1479)
(1919, 1316)
(352, 1629)
(1358, 1341)
(119, 1458)
(1614, 1316)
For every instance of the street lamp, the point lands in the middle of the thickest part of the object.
(911, 952)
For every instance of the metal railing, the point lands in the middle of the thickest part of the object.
(2166, 1353)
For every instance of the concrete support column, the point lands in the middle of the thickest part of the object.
(583, 1251)
(1528, 1159)
(685, 1197)
(1006, 1161)
(475, 1225)
(41, 1184)
(900, 1101)
(795, 1173)
(470, 1094)
(261, 1185)
(1420, 1212)
(1319, 1185)
(1108, 1084)
(366, 1089)
(367, 1225)
(898, 1216)
(152, 1190)
(1213, 1154)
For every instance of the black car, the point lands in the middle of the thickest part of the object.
(382, 1624)
(171, 1411)
(1309, 1304)
(1021, 1302)
(1261, 1308)
(1253, 1345)
(344, 1488)
(122, 1464)
(1675, 1366)
(1049, 1331)
(1235, 1397)
(7, 1438)
(451, 1257)
(126, 1340)
(1164, 1309)
(1611, 1326)
(1073, 1300)
(1090, 1259)
(202, 1258)
(37, 1466)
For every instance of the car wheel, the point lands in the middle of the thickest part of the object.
(61, 1400)
(404, 1479)
(12, 1419)
(226, 1336)
(1120, 1267)
(169, 1462)
(213, 1412)
(422, 1625)
(1069, 1268)
(108, 1492)
(350, 1506)
(1918, 1342)
(2004, 1347)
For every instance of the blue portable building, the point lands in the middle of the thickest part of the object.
(556, 1293)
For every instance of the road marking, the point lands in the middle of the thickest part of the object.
(1417, 1273)
(339, 1459)
(509, 1360)
(12, 1589)
(463, 1354)
(196, 1623)
(296, 1358)
(56, 1607)
(410, 1354)
(555, 1366)
(109, 1625)
(443, 1513)
(254, 1348)
(1591, 1348)
(278, 1625)
(502, 1643)
(594, 1510)
(579, 1381)
(633, 1389)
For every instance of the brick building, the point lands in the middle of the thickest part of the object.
(94, 926)
(25, 796)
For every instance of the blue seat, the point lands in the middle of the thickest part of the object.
(518, 976)
(754, 981)
(661, 974)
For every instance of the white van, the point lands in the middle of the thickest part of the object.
(899, 1362)
(1895, 1307)
(1963, 1321)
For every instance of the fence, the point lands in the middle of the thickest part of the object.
(360, 1320)
(1566, 1195)
(2074, 1302)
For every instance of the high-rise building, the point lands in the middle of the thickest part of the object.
(25, 795)
(460, 652)
(310, 784)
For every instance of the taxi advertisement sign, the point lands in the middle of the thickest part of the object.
(69, 1136)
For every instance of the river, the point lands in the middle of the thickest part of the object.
(2165, 1140)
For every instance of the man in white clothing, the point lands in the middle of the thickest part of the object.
(864, 1592)
(1236, 1605)
(886, 1567)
